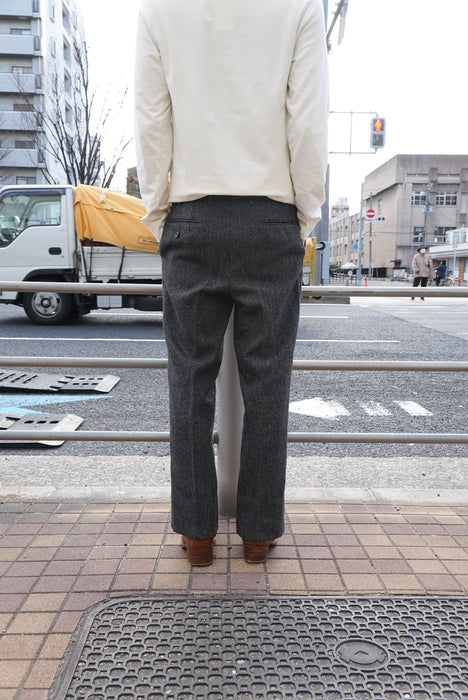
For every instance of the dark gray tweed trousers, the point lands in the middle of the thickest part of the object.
(222, 254)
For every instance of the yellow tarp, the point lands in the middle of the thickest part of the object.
(309, 249)
(112, 217)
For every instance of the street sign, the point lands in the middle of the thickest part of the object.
(370, 214)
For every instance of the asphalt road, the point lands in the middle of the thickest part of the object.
(373, 329)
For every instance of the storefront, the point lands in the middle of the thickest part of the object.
(455, 255)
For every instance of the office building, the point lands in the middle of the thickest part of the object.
(416, 199)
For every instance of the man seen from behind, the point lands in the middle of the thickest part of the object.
(231, 107)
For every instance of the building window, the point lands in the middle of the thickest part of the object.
(66, 51)
(440, 233)
(380, 206)
(21, 31)
(21, 70)
(66, 20)
(53, 48)
(418, 199)
(23, 107)
(25, 144)
(68, 115)
(21, 180)
(446, 199)
(418, 234)
(52, 10)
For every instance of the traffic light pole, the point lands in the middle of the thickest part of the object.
(361, 226)
(369, 272)
(351, 114)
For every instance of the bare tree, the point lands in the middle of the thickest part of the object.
(5, 149)
(73, 129)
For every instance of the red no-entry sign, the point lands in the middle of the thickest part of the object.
(370, 214)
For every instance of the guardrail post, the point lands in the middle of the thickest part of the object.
(230, 420)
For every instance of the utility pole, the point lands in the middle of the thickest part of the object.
(340, 12)
(427, 210)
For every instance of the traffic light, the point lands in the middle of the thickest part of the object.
(377, 135)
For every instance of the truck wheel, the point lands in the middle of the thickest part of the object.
(49, 308)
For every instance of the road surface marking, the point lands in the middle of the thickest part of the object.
(161, 340)
(341, 340)
(87, 340)
(375, 409)
(319, 408)
(329, 409)
(413, 408)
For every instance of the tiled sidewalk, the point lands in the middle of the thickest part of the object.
(59, 558)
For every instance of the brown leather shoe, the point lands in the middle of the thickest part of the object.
(199, 552)
(257, 552)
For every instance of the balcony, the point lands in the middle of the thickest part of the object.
(18, 8)
(18, 45)
(21, 158)
(16, 121)
(18, 82)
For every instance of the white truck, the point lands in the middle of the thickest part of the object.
(75, 234)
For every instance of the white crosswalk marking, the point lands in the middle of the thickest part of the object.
(329, 409)
(372, 408)
(319, 408)
(413, 408)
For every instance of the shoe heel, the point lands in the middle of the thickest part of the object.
(199, 552)
(256, 552)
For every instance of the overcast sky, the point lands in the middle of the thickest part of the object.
(405, 59)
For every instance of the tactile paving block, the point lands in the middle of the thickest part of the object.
(278, 648)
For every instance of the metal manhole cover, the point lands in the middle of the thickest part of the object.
(281, 648)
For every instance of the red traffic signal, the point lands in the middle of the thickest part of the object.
(377, 135)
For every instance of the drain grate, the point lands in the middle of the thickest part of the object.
(281, 648)
(51, 382)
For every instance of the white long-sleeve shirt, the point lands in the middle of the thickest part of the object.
(231, 98)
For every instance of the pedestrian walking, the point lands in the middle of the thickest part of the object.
(231, 103)
(422, 268)
(441, 272)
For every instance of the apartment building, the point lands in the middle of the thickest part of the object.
(38, 75)
(416, 199)
(344, 235)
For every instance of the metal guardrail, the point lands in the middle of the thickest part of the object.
(236, 407)
(156, 289)
(161, 363)
(142, 436)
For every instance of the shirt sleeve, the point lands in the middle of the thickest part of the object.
(307, 108)
(153, 127)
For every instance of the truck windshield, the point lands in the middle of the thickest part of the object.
(21, 211)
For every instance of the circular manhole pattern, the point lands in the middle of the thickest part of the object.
(362, 653)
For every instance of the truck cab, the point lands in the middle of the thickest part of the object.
(37, 242)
